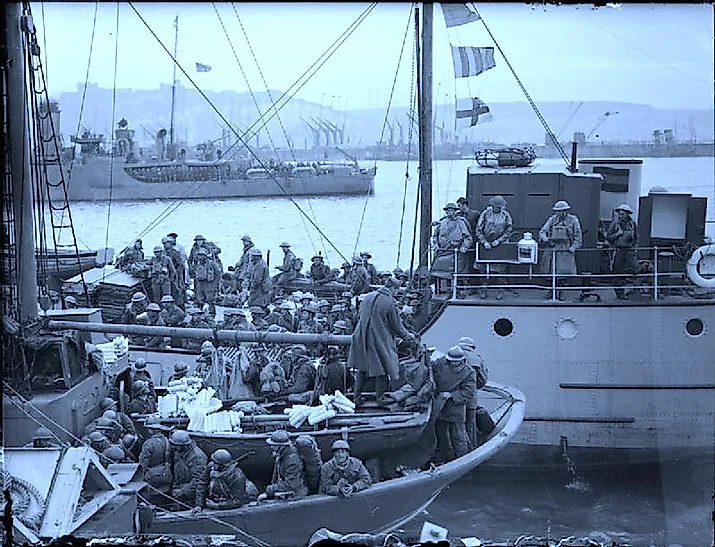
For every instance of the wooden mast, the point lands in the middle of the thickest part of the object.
(20, 171)
(172, 138)
(425, 136)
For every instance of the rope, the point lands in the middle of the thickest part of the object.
(25, 491)
(550, 133)
(111, 157)
(384, 123)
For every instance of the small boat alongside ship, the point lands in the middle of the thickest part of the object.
(505, 157)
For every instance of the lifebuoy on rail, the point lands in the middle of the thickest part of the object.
(692, 266)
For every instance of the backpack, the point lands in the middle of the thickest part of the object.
(309, 452)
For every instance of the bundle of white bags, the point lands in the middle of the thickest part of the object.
(331, 406)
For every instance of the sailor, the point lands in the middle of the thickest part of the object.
(288, 469)
(455, 383)
(371, 270)
(143, 399)
(188, 463)
(259, 286)
(561, 232)
(181, 370)
(136, 306)
(331, 373)
(343, 475)
(359, 278)
(153, 319)
(477, 363)
(179, 286)
(155, 459)
(373, 352)
(319, 270)
(452, 233)
(243, 266)
(124, 421)
(71, 303)
(258, 318)
(494, 227)
(207, 276)
(622, 234)
(43, 438)
(173, 236)
(162, 274)
(287, 273)
(222, 485)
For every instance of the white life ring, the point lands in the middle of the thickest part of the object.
(692, 266)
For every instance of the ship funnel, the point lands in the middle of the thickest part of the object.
(160, 145)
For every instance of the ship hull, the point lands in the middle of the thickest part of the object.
(91, 181)
(626, 381)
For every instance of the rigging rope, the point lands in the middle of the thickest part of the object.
(384, 123)
(112, 151)
(240, 138)
(549, 132)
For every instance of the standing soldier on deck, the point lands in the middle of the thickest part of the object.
(179, 287)
(243, 266)
(162, 274)
(622, 234)
(561, 232)
(359, 278)
(494, 227)
(207, 275)
(287, 271)
(452, 233)
(371, 270)
(319, 270)
(259, 285)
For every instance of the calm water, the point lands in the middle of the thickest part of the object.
(640, 507)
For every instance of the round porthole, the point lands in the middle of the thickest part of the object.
(503, 326)
(694, 327)
(566, 329)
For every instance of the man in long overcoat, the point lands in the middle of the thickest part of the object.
(373, 352)
(260, 281)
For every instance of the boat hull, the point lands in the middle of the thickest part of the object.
(91, 181)
(628, 378)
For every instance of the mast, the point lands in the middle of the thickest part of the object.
(19, 144)
(172, 146)
(425, 135)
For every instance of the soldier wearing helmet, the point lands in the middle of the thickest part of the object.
(162, 274)
(451, 234)
(287, 269)
(143, 398)
(343, 475)
(179, 286)
(222, 485)
(43, 438)
(206, 271)
(124, 421)
(481, 376)
(109, 425)
(260, 283)
(115, 454)
(153, 318)
(622, 234)
(562, 233)
(181, 370)
(154, 459)
(130, 256)
(288, 471)
(331, 373)
(359, 278)
(319, 270)
(455, 383)
(136, 306)
(188, 463)
(243, 266)
(494, 227)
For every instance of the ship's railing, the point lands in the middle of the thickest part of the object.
(661, 272)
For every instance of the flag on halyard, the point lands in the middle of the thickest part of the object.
(458, 14)
(202, 68)
(470, 61)
(470, 112)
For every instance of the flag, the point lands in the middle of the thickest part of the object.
(458, 14)
(470, 61)
(470, 112)
(202, 68)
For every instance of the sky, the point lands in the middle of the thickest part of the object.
(659, 54)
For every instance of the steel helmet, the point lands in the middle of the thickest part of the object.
(247, 238)
(180, 438)
(140, 364)
(128, 440)
(450, 206)
(167, 298)
(114, 453)
(153, 307)
(497, 201)
(107, 404)
(561, 205)
(138, 297)
(455, 353)
(221, 456)
(110, 415)
(138, 385)
(158, 248)
(42, 433)
(341, 444)
(255, 252)
(181, 367)
(467, 342)
(97, 436)
(206, 344)
(340, 324)
(285, 244)
(279, 438)
(624, 207)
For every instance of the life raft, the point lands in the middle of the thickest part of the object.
(692, 266)
(505, 157)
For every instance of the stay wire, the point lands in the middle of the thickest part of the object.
(111, 157)
(239, 137)
(384, 122)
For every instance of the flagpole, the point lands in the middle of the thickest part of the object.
(425, 136)
(172, 145)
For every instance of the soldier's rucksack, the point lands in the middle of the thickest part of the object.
(205, 271)
(312, 461)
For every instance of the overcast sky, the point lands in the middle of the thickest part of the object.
(660, 55)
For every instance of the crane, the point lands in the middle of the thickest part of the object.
(600, 121)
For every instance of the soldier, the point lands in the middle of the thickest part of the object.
(136, 306)
(622, 234)
(153, 319)
(71, 303)
(331, 373)
(43, 438)
(455, 382)
(143, 399)
(561, 232)
(100, 444)
(343, 475)
(494, 227)
(235, 319)
(452, 233)
(207, 276)
(179, 287)
(416, 390)
(243, 266)
(197, 320)
(172, 316)
(470, 215)
(288, 470)
(116, 454)
(302, 374)
(222, 485)
(258, 318)
(173, 236)
(319, 270)
(188, 464)
(110, 426)
(200, 244)
(306, 320)
(162, 274)
(260, 282)
(124, 421)
(371, 270)
(181, 370)
(140, 372)
(359, 278)
(344, 277)
(130, 256)
(287, 271)
(155, 460)
(286, 318)
(477, 363)
(229, 283)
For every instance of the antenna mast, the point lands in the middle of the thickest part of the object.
(172, 145)
(425, 136)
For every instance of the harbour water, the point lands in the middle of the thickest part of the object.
(667, 505)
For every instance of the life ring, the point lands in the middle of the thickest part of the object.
(692, 266)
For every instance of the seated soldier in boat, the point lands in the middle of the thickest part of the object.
(222, 485)
(152, 318)
(154, 460)
(273, 380)
(139, 372)
(258, 318)
(181, 370)
(289, 479)
(188, 463)
(301, 380)
(124, 420)
(143, 399)
(343, 475)
(43, 438)
(416, 387)
(331, 374)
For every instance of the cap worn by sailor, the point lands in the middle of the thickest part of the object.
(180, 438)
(158, 248)
(497, 201)
(561, 205)
(467, 342)
(140, 364)
(172, 235)
(450, 206)
(138, 297)
(221, 456)
(153, 307)
(340, 444)
(255, 252)
(285, 244)
(199, 237)
(278, 438)
(167, 298)
(455, 354)
(460, 201)
(625, 208)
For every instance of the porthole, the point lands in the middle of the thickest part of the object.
(503, 326)
(566, 329)
(694, 327)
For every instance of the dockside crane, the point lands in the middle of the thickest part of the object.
(401, 141)
(600, 121)
(314, 132)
